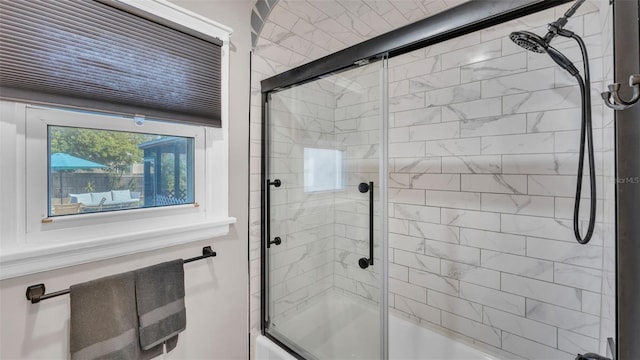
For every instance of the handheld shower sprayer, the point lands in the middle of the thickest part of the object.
(541, 45)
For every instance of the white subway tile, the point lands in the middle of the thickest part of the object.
(399, 61)
(531, 349)
(560, 98)
(454, 94)
(399, 135)
(509, 184)
(471, 219)
(552, 185)
(565, 252)
(436, 181)
(449, 251)
(416, 165)
(398, 272)
(399, 180)
(398, 226)
(472, 109)
(521, 326)
(471, 328)
(471, 164)
(549, 228)
(437, 80)
(428, 115)
(569, 141)
(453, 199)
(398, 88)
(540, 164)
(404, 150)
(419, 213)
(431, 231)
(519, 265)
(564, 209)
(564, 318)
(416, 261)
(518, 144)
(455, 305)
(494, 298)
(408, 290)
(407, 102)
(575, 343)
(501, 66)
(578, 277)
(453, 147)
(434, 282)
(408, 243)
(565, 296)
(591, 303)
(518, 204)
(446, 130)
(519, 83)
(461, 42)
(490, 240)
(499, 125)
(510, 48)
(418, 309)
(472, 54)
(471, 273)
(407, 196)
(413, 69)
(554, 120)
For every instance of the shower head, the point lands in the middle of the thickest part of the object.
(537, 44)
(529, 41)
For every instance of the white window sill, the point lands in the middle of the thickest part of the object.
(32, 259)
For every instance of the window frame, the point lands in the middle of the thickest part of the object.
(27, 245)
(38, 119)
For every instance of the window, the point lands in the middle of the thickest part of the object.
(323, 169)
(94, 170)
(34, 236)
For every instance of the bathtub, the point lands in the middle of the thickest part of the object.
(339, 321)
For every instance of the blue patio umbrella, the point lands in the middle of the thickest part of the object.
(66, 162)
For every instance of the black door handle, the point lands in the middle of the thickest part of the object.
(267, 209)
(363, 188)
(276, 241)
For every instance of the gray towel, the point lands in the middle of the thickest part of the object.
(103, 320)
(160, 300)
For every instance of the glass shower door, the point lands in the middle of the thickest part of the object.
(323, 226)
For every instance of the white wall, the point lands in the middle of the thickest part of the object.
(216, 289)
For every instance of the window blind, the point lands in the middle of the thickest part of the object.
(88, 54)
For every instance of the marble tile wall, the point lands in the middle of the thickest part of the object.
(483, 143)
(483, 155)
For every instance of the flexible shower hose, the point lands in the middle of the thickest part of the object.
(586, 133)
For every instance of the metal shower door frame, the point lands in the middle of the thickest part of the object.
(626, 33)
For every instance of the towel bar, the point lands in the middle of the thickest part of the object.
(36, 293)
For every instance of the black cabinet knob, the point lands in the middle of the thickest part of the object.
(364, 263)
(276, 241)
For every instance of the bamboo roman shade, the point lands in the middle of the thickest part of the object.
(87, 54)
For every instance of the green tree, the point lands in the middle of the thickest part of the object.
(116, 149)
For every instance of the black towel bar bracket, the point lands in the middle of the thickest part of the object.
(36, 293)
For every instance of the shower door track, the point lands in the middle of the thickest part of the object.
(463, 19)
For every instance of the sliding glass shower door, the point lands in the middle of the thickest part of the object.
(323, 259)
